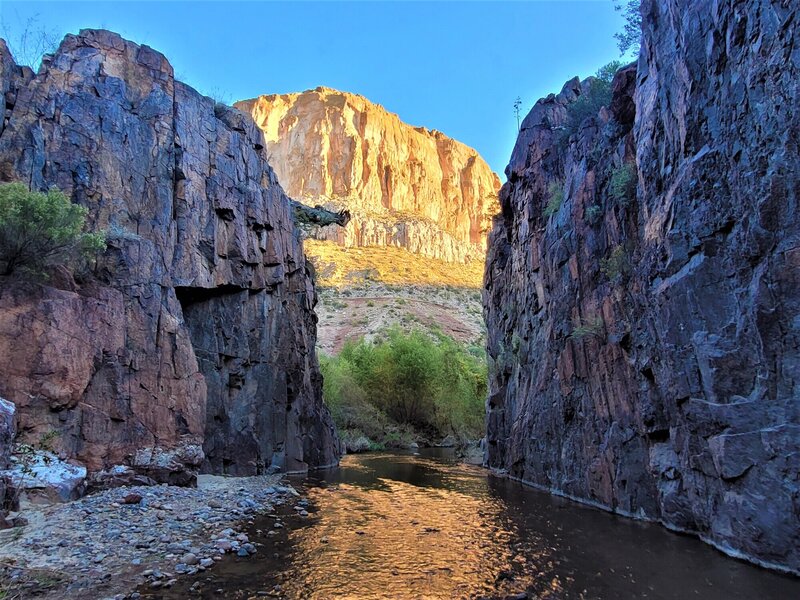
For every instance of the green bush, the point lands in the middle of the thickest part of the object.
(589, 104)
(404, 380)
(39, 229)
(594, 214)
(556, 193)
(592, 327)
(622, 186)
(617, 263)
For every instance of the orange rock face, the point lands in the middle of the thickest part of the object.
(406, 186)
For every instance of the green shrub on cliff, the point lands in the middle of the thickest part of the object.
(39, 229)
(622, 186)
(588, 328)
(617, 264)
(591, 101)
(430, 383)
(593, 214)
(556, 193)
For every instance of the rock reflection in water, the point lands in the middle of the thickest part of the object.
(411, 526)
(405, 529)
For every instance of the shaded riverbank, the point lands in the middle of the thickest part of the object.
(411, 526)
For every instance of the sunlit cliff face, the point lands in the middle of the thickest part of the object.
(407, 186)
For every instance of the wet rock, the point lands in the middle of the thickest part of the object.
(447, 442)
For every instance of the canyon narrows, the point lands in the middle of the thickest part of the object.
(620, 321)
(645, 345)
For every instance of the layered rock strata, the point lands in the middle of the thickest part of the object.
(190, 344)
(405, 186)
(644, 334)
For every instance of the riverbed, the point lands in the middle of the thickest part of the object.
(423, 525)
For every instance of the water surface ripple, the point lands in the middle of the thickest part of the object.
(415, 526)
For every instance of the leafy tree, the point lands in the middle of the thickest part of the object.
(38, 229)
(630, 37)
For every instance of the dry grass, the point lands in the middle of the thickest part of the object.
(342, 267)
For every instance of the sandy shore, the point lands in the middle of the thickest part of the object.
(102, 547)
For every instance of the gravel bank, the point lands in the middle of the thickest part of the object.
(106, 544)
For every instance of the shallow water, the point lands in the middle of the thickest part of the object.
(425, 526)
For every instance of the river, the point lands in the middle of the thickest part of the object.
(426, 526)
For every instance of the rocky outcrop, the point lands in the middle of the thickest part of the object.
(8, 431)
(644, 334)
(8, 495)
(191, 342)
(405, 186)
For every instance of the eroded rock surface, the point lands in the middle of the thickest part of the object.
(192, 341)
(405, 186)
(645, 348)
(8, 431)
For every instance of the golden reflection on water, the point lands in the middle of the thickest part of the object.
(398, 540)
(410, 527)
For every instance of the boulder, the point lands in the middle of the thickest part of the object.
(8, 431)
(117, 476)
(44, 477)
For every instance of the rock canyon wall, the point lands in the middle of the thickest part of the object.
(644, 341)
(190, 344)
(407, 187)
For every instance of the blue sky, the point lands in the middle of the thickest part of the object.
(452, 66)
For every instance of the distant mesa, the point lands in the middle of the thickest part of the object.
(406, 187)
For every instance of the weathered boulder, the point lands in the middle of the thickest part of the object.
(8, 430)
(9, 501)
(44, 477)
(644, 339)
(195, 329)
(405, 186)
(116, 476)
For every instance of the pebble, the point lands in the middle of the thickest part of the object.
(132, 498)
